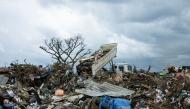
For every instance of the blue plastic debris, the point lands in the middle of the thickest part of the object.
(9, 106)
(69, 72)
(46, 73)
(113, 103)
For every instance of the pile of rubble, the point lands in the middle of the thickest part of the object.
(25, 86)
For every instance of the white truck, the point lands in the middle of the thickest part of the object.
(97, 60)
(124, 67)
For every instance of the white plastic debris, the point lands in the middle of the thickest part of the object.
(18, 99)
(32, 106)
(10, 92)
(158, 99)
(73, 98)
(57, 98)
(187, 101)
(67, 104)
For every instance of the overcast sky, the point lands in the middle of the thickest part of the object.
(148, 32)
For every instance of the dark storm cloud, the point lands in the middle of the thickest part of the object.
(181, 27)
(165, 24)
(61, 2)
(155, 33)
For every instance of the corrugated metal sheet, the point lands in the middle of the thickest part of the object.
(3, 80)
(93, 88)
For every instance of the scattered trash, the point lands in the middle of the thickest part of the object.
(26, 86)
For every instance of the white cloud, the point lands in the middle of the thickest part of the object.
(1, 48)
(132, 49)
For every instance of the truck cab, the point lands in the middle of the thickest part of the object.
(124, 67)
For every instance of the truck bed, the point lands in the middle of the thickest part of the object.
(98, 59)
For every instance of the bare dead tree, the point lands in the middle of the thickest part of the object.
(67, 49)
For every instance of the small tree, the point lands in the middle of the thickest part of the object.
(67, 49)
